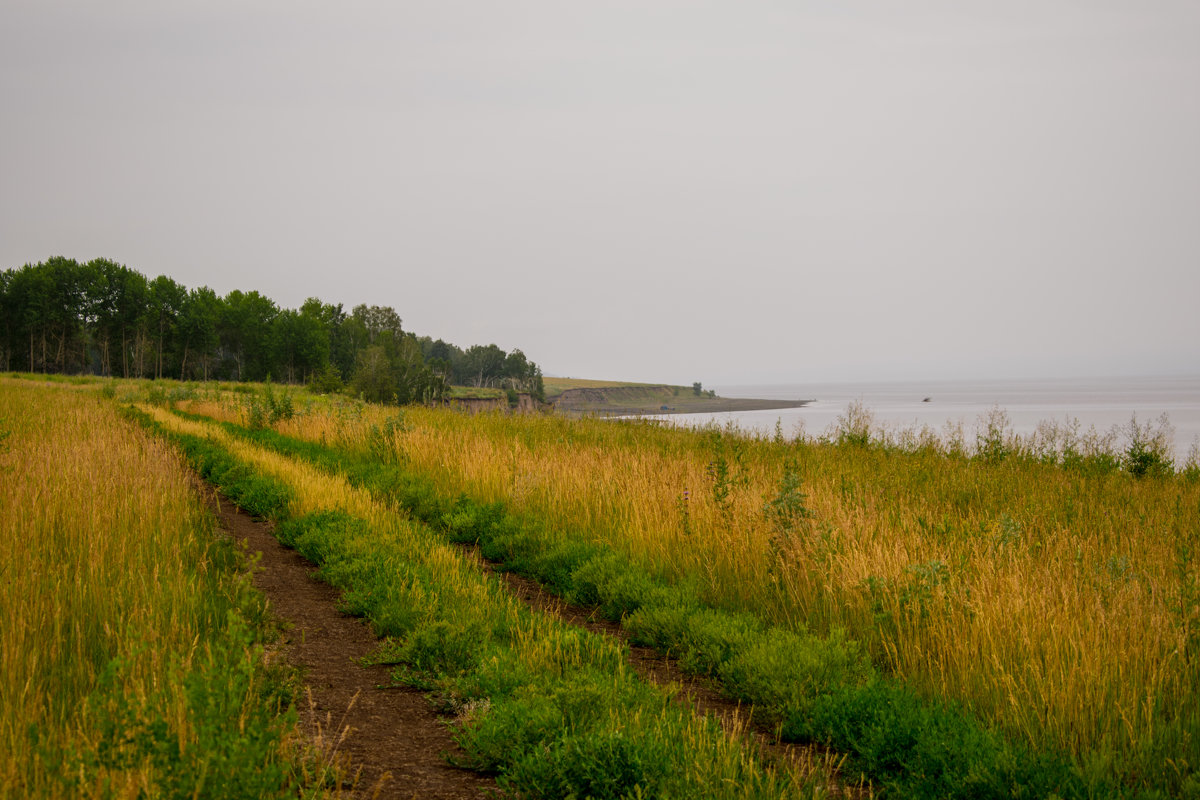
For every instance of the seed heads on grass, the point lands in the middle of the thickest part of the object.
(1188, 608)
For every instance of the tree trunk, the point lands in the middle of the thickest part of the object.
(105, 365)
(158, 366)
(60, 358)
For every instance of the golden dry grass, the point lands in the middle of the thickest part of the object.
(543, 644)
(101, 558)
(1053, 603)
(118, 596)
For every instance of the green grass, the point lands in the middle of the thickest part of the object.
(553, 710)
(988, 586)
(816, 689)
(133, 642)
(995, 579)
(475, 393)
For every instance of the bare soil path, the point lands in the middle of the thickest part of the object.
(394, 741)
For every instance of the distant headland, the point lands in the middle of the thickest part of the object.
(579, 397)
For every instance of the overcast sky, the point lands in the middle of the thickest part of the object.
(730, 192)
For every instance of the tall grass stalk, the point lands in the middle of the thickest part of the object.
(117, 598)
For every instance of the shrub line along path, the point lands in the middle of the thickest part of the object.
(390, 740)
(737, 719)
(390, 737)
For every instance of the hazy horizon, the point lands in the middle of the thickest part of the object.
(663, 192)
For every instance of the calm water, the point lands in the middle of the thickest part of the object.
(1099, 402)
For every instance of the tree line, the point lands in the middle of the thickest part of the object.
(103, 318)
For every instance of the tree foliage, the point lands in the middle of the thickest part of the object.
(103, 318)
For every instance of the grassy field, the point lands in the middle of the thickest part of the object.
(131, 642)
(1057, 605)
(553, 710)
(997, 617)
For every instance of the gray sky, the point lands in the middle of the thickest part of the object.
(727, 192)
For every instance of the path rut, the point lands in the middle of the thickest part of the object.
(393, 739)
(394, 742)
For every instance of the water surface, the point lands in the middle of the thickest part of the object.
(1095, 402)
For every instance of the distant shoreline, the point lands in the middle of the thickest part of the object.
(714, 405)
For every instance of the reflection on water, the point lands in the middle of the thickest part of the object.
(1099, 402)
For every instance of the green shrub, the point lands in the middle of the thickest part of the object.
(1148, 452)
(608, 581)
(327, 381)
(855, 426)
(606, 763)
(995, 441)
(443, 649)
(786, 670)
(238, 720)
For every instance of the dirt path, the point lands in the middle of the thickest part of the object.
(394, 741)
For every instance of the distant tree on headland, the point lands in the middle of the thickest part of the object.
(103, 318)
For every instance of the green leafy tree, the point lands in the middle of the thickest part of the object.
(245, 333)
(437, 384)
(300, 345)
(51, 296)
(120, 311)
(408, 367)
(197, 329)
(523, 375)
(373, 380)
(166, 302)
(485, 364)
(8, 315)
(377, 321)
(335, 347)
(101, 290)
(103, 317)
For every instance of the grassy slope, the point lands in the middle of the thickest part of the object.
(132, 662)
(1003, 585)
(578, 396)
(556, 386)
(553, 710)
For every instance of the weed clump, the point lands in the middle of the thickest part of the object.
(1149, 452)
